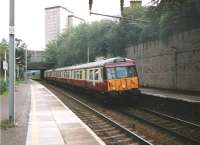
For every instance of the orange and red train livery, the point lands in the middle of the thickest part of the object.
(113, 76)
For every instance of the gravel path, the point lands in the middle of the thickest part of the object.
(17, 135)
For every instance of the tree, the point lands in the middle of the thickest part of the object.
(177, 16)
(108, 38)
(3, 49)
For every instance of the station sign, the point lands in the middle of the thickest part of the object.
(5, 65)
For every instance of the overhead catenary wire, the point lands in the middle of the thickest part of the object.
(119, 17)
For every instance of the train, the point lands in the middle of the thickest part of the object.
(111, 76)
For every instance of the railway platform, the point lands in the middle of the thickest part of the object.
(175, 95)
(53, 123)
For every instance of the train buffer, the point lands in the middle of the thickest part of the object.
(53, 123)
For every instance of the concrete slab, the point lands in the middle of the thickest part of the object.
(187, 97)
(53, 123)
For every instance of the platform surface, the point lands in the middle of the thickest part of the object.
(188, 97)
(53, 123)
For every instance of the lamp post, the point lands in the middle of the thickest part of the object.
(11, 63)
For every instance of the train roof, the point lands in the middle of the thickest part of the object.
(98, 63)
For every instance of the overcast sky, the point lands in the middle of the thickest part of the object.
(29, 16)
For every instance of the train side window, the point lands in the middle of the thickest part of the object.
(111, 73)
(80, 73)
(72, 74)
(75, 73)
(91, 74)
(96, 74)
(87, 74)
(132, 71)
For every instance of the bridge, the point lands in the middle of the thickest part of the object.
(37, 62)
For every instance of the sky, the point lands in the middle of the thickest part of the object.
(30, 16)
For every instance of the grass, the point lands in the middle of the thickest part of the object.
(5, 124)
(17, 83)
(5, 93)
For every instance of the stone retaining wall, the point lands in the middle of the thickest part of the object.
(173, 65)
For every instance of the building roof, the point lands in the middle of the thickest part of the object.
(77, 17)
(54, 7)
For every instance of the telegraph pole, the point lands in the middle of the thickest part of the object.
(26, 75)
(12, 62)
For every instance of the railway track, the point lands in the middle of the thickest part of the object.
(186, 131)
(175, 126)
(110, 131)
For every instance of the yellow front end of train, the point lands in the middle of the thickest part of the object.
(125, 84)
(122, 79)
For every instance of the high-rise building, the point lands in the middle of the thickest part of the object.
(56, 20)
(135, 3)
(74, 21)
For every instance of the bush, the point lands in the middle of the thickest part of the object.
(3, 86)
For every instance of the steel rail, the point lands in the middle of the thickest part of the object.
(130, 133)
(114, 123)
(162, 127)
(172, 118)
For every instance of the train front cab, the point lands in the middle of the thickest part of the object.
(122, 80)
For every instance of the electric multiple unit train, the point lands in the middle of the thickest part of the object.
(112, 76)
